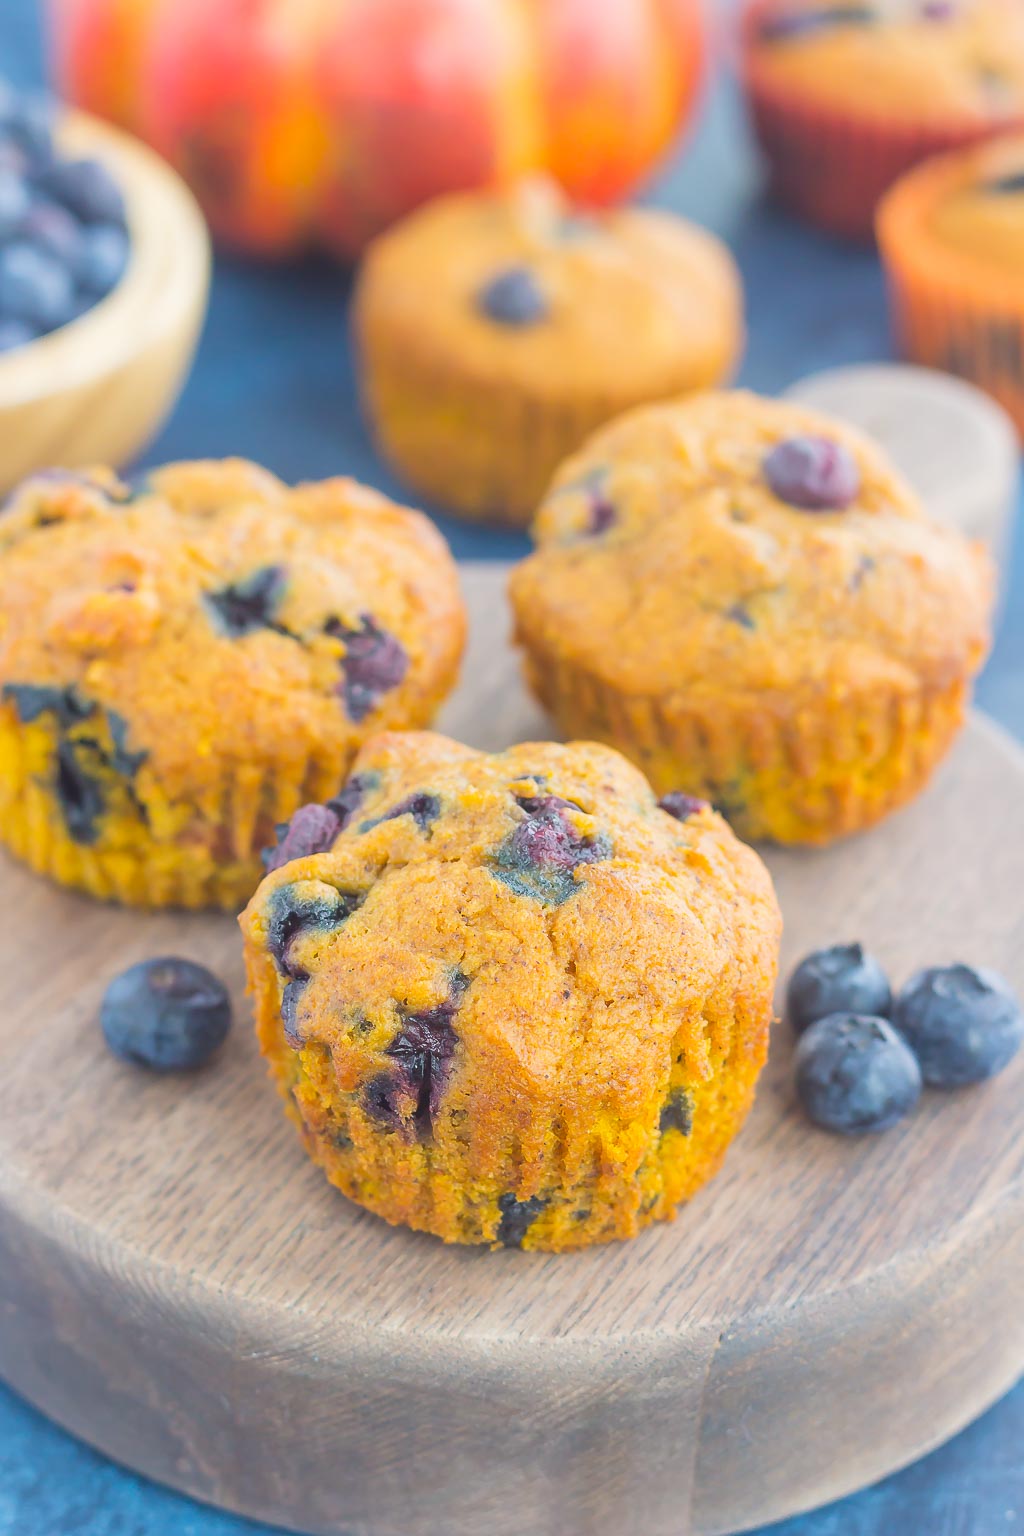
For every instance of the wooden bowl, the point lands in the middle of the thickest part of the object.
(97, 390)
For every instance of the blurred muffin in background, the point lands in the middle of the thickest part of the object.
(746, 599)
(952, 239)
(497, 330)
(846, 95)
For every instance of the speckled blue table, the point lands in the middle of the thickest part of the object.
(274, 380)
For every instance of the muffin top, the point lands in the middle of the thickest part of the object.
(729, 547)
(964, 212)
(219, 615)
(525, 925)
(947, 61)
(522, 290)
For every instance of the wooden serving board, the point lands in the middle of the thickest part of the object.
(180, 1287)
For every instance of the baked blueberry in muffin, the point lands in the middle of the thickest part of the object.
(182, 669)
(766, 619)
(535, 1019)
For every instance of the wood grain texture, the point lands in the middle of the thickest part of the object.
(97, 390)
(181, 1288)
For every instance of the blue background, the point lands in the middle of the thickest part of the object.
(274, 380)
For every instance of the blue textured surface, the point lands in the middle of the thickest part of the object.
(274, 380)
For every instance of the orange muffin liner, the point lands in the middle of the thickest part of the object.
(829, 166)
(483, 452)
(804, 776)
(600, 1198)
(949, 312)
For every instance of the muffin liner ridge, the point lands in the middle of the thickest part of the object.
(854, 761)
(946, 312)
(600, 1199)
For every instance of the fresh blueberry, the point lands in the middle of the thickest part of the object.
(680, 805)
(102, 259)
(517, 1217)
(54, 230)
(86, 188)
(34, 287)
(168, 1014)
(540, 856)
(373, 664)
(854, 1074)
(14, 203)
(804, 22)
(963, 1024)
(249, 605)
(16, 333)
(81, 304)
(513, 298)
(813, 473)
(27, 122)
(841, 979)
(313, 829)
(677, 1112)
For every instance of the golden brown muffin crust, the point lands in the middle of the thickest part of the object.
(119, 599)
(634, 296)
(706, 583)
(578, 954)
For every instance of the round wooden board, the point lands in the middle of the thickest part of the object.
(181, 1288)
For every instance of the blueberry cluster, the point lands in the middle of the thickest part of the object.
(63, 235)
(864, 1052)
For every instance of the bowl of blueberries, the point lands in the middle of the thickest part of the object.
(104, 273)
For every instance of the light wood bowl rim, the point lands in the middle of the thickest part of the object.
(154, 297)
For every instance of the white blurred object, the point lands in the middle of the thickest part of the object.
(956, 446)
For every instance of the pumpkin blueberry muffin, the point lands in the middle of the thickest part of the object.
(180, 669)
(512, 999)
(951, 235)
(497, 330)
(745, 598)
(847, 96)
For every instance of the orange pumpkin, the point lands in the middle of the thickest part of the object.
(320, 121)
